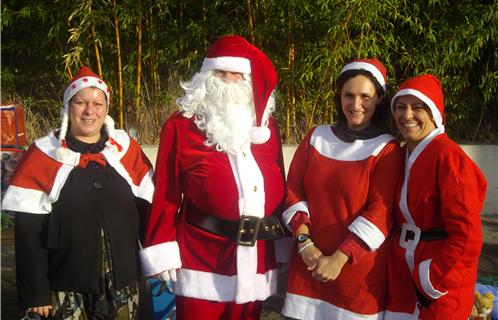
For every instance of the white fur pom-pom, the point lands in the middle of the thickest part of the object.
(259, 135)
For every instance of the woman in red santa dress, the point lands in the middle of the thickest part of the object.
(79, 195)
(340, 192)
(437, 238)
(219, 183)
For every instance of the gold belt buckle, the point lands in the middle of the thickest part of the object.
(248, 231)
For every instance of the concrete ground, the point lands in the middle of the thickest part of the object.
(488, 269)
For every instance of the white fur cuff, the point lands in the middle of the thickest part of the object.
(368, 232)
(160, 257)
(425, 280)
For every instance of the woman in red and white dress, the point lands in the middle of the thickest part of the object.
(340, 191)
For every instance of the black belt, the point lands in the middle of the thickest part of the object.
(427, 235)
(244, 232)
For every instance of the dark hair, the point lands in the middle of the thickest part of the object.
(381, 114)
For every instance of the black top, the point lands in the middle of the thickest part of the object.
(343, 132)
(61, 251)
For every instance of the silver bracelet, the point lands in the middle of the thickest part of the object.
(309, 244)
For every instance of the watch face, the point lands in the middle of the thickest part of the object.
(302, 237)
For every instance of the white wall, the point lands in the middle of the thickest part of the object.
(486, 157)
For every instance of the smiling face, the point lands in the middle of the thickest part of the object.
(87, 113)
(413, 118)
(359, 100)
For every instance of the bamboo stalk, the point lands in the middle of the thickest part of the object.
(153, 58)
(250, 20)
(291, 107)
(287, 114)
(68, 70)
(149, 23)
(120, 71)
(139, 63)
(97, 54)
(95, 44)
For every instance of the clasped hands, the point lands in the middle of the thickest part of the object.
(323, 268)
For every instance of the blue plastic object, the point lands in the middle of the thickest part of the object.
(163, 301)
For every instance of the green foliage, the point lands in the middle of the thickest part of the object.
(308, 41)
(6, 220)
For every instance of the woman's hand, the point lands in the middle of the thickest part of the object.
(310, 254)
(42, 311)
(329, 267)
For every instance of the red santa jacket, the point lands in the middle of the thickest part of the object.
(223, 185)
(442, 189)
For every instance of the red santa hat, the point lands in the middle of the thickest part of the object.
(84, 78)
(233, 53)
(372, 65)
(427, 88)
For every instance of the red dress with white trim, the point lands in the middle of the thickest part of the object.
(442, 194)
(222, 185)
(345, 188)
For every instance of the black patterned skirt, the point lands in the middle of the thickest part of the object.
(119, 304)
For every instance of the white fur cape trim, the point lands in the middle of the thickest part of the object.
(21, 199)
(15, 197)
(330, 146)
(50, 146)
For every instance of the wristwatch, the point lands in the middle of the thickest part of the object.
(302, 237)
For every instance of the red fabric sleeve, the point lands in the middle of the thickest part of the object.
(354, 248)
(299, 219)
(295, 185)
(161, 225)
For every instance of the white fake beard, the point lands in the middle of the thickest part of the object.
(223, 110)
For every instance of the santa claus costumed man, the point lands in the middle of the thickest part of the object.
(221, 153)
(437, 236)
